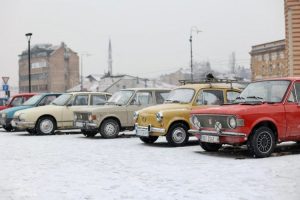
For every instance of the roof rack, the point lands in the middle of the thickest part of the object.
(209, 81)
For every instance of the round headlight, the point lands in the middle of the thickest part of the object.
(159, 116)
(232, 122)
(195, 122)
(22, 116)
(135, 115)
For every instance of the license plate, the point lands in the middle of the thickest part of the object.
(210, 139)
(142, 132)
(79, 124)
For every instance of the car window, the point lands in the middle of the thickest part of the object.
(17, 101)
(98, 99)
(231, 96)
(210, 97)
(295, 94)
(81, 100)
(161, 96)
(142, 98)
(47, 100)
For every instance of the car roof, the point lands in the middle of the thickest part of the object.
(199, 86)
(156, 89)
(281, 79)
(88, 93)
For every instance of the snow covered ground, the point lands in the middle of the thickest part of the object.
(74, 167)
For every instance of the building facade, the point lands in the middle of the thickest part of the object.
(53, 69)
(269, 60)
(292, 32)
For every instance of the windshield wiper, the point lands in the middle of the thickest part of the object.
(255, 97)
(173, 101)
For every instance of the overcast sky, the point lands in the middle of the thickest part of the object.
(148, 37)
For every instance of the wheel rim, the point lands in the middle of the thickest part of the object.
(110, 129)
(46, 126)
(264, 142)
(179, 135)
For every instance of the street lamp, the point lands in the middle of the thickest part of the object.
(81, 67)
(193, 29)
(28, 35)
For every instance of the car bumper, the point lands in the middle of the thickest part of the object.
(145, 131)
(224, 137)
(85, 125)
(22, 125)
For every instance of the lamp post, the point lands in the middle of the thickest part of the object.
(81, 68)
(193, 29)
(28, 35)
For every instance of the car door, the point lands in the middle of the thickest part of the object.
(77, 102)
(140, 100)
(292, 112)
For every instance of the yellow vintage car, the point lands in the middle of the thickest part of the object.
(57, 115)
(171, 119)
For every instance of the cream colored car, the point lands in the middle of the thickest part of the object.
(58, 115)
(117, 114)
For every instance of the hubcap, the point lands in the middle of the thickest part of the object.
(110, 129)
(46, 126)
(264, 142)
(179, 135)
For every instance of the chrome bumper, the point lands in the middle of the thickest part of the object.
(215, 133)
(85, 125)
(22, 124)
(150, 128)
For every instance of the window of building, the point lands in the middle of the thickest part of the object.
(270, 69)
(39, 64)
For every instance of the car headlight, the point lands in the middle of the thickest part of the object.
(22, 117)
(135, 115)
(232, 122)
(92, 117)
(3, 115)
(159, 116)
(195, 122)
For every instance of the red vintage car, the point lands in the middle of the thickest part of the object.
(266, 113)
(17, 100)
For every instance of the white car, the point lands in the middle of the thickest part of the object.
(57, 115)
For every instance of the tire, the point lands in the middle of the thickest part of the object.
(109, 128)
(7, 128)
(89, 133)
(31, 131)
(211, 147)
(177, 135)
(149, 140)
(262, 143)
(45, 126)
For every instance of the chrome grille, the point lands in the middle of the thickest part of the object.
(209, 121)
(82, 116)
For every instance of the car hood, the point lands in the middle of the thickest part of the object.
(10, 111)
(166, 107)
(96, 109)
(237, 109)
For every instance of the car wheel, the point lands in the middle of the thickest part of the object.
(210, 146)
(149, 140)
(45, 126)
(31, 131)
(8, 128)
(262, 143)
(89, 133)
(178, 135)
(109, 128)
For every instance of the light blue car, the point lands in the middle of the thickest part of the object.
(6, 115)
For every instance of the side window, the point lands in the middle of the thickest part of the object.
(161, 96)
(295, 94)
(81, 100)
(17, 101)
(98, 99)
(142, 98)
(47, 100)
(231, 96)
(108, 96)
(210, 97)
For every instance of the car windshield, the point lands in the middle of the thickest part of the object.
(264, 91)
(61, 100)
(120, 98)
(181, 95)
(33, 100)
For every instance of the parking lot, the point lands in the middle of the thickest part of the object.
(70, 166)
